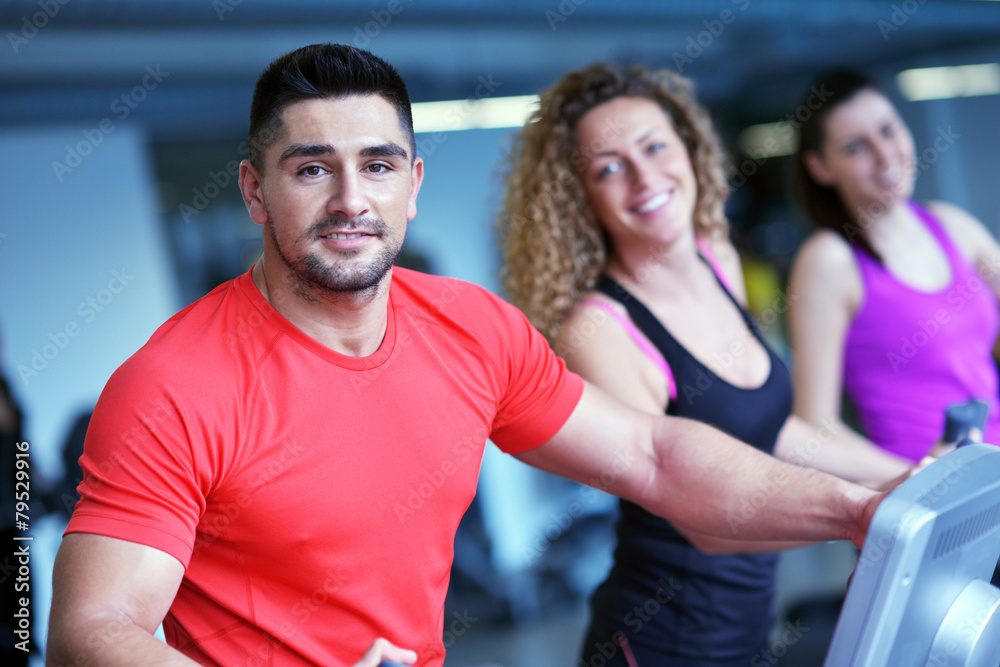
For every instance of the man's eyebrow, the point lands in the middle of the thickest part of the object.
(387, 149)
(305, 150)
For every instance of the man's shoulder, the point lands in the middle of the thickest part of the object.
(442, 294)
(463, 313)
(208, 332)
(417, 281)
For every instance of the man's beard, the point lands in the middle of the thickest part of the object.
(315, 275)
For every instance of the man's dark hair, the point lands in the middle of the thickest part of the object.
(822, 203)
(322, 71)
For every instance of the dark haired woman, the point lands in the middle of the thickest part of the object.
(895, 302)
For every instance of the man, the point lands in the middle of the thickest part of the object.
(247, 471)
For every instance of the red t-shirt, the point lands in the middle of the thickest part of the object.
(314, 497)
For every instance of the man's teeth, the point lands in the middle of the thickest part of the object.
(341, 237)
(654, 203)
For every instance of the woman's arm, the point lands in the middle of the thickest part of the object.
(824, 293)
(834, 448)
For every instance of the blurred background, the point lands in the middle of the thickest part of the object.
(122, 124)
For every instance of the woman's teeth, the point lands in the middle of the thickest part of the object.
(654, 203)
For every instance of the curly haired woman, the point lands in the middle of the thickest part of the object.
(617, 249)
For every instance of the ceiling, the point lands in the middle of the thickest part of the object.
(67, 60)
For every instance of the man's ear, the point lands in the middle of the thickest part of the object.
(251, 186)
(416, 179)
(816, 168)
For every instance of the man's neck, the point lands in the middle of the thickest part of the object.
(351, 323)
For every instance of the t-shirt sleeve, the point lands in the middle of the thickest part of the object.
(140, 475)
(541, 392)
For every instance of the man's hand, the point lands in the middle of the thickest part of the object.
(886, 488)
(868, 512)
(381, 649)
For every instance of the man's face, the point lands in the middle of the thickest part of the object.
(337, 191)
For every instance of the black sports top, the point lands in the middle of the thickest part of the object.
(719, 607)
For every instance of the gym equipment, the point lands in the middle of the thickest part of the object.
(920, 595)
(959, 420)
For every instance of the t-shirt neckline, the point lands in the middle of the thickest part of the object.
(273, 318)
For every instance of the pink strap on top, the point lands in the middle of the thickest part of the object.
(706, 251)
(633, 331)
(640, 340)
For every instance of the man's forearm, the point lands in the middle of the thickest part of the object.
(714, 484)
(108, 598)
(109, 642)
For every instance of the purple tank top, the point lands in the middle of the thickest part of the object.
(910, 354)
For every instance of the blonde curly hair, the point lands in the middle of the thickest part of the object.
(553, 244)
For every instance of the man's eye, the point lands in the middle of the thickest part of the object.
(312, 170)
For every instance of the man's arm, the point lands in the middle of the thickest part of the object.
(108, 598)
(700, 478)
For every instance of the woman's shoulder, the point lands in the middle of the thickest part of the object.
(828, 240)
(825, 263)
(825, 250)
(593, 304)
(584, 328)
(722, 250)
(598, 341)
(964, 229)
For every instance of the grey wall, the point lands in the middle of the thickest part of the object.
(84, 266)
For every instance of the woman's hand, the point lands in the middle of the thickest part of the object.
(896, 481)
